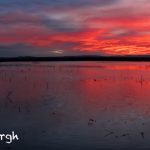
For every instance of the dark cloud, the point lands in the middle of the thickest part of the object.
(62, 25)
(29, 50)
(117, 34)
(15, 50)
(19, 17)
(31, 3)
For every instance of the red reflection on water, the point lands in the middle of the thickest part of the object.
(120, 88)
(128, 67)
(103, 86)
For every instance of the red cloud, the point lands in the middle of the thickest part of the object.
(108, 32)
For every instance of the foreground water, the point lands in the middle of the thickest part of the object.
(76, 105)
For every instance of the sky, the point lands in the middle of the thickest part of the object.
(74, 27)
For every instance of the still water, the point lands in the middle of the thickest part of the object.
(76, 105)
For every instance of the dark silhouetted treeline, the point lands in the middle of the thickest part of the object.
(76, 58)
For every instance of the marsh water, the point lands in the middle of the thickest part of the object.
(75, 105)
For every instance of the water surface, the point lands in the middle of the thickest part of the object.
(76, 105)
